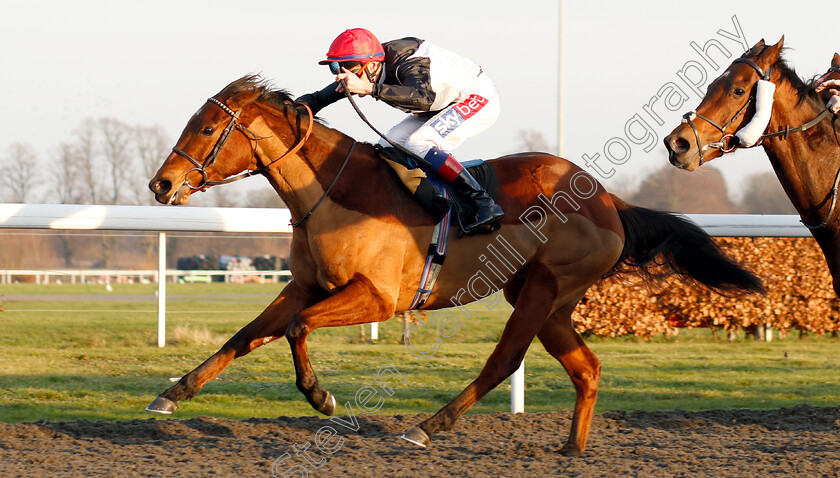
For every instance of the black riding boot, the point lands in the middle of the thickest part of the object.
(488, 213)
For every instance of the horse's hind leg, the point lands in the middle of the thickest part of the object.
(269, 325)
(535, 302)
(562, 341)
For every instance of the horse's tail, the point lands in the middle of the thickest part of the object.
(684, 248)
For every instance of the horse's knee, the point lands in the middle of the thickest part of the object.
(296, 330)
(587, 375)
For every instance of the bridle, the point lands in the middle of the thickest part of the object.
(831, 69)
(253, 139)
(783, 134)
(724, 143)
(201, 168)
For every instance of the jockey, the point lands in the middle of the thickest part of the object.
(448, 99)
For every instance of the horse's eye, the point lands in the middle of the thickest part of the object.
(208, 130)
(738, 92)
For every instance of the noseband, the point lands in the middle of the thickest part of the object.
(724, 143)
(201, 168)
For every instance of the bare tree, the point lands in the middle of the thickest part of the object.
(675, 190)
(20, 173)
(152, 145)
(89, 169)
(531, 140)
(115, 148)
(221, 197)
(764, 195)
(264, 197)
(67, 174)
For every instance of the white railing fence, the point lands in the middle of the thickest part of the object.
(163, 219)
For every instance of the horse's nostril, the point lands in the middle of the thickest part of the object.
(161, 186)
(678, 145)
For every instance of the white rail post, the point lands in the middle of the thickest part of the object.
(161, 289)
(517, 389)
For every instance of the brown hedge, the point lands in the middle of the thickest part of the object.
(799, 296)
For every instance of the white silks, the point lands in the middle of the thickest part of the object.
(751, 133)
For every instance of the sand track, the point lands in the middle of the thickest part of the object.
(801, 441)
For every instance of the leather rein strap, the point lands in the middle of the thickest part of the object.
(765, 75)
(201, 168)
(252, 138)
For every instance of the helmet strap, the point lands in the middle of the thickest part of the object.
(373, 71)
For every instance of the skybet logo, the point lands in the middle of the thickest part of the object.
(457, 114)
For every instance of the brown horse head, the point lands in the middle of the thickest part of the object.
(796, 130)
(708, 132)
(218, 124)
(833, 73)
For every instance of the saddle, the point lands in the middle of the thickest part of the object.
(414, 177)
(464, 207)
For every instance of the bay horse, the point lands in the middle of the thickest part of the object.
(801, 138)
(360, 241)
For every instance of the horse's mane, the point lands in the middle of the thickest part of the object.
(803, 88)
(268, 94)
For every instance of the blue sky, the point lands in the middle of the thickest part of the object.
(155, 62)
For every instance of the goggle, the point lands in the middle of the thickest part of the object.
(358, 69)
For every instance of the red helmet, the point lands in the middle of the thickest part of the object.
(356, 44)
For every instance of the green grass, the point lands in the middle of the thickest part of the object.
(97, 359)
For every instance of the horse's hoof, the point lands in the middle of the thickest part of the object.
(162, 405)
(328, 408)
(571, 449)
(417, 436)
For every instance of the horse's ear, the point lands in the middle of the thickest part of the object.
(244, 98)
(773, 52)
(835, 62)
(755, 50)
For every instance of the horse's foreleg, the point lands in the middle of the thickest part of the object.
(359, 302)
(533, 305)
(269, 325)
(562, 341)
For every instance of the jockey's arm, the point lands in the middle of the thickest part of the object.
(321, 99)
(415, 89)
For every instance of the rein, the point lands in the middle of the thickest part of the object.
(723, 143)
(201, 168)
(329, 188)
(833, 193)
(253, 138)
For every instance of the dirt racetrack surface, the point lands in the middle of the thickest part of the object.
(798, 441)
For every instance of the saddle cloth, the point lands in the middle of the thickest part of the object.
(463, 206)
(465, 210)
